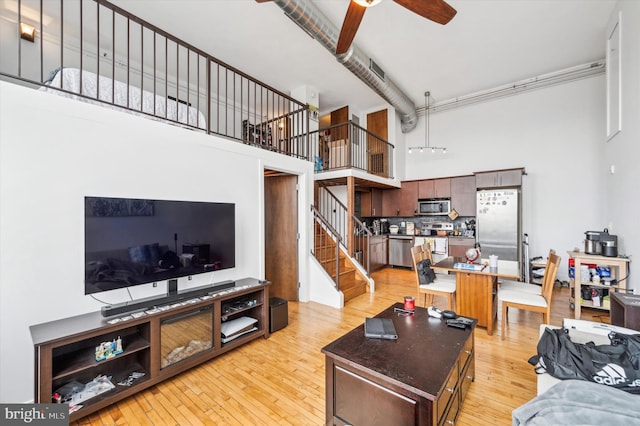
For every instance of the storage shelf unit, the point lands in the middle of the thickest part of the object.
(619, 271)
(65, 349)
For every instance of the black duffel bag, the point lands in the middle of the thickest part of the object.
(616, 365)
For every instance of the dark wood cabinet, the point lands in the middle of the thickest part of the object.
(499, 178)
(157, 343)
(625, 310)
(391, 199)
(371, 203)
(379, 252)
(463, 195)
(409, 198)
(434, 188)
(374, 381)
(402, 202)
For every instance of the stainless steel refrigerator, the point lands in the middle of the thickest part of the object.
(498, 223)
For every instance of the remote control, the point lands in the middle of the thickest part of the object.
(456, 323)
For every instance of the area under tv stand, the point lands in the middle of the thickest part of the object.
(65, 350)
(169, 298)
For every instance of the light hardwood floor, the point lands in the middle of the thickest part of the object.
(280, 380)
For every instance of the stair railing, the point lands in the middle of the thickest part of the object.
(333, 211)
(336, 214)
(325, 242)
(361, 245)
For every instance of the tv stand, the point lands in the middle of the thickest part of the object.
(171, 297)
(151, 344)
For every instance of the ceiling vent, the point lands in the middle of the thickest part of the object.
(376, 69)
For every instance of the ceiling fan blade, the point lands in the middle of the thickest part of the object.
(435, 10)
(350, 26)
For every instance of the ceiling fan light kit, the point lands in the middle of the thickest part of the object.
(367, 3)
(427, 144)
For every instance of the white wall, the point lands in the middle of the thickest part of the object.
(555, 133)
(623, 150)
(54, 151)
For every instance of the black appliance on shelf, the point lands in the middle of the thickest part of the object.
(601, 243)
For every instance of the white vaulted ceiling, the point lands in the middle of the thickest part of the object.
(488, 43)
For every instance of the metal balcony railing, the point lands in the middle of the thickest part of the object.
(95, 51)
(348, 145)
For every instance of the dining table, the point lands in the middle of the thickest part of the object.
(477, 286)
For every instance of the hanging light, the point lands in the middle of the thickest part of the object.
(426, 130)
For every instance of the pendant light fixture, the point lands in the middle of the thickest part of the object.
(427, 144)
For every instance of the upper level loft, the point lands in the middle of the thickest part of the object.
(94, 51)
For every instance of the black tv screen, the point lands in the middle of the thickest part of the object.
(130, 242)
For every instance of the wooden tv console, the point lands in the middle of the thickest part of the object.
(153, 343)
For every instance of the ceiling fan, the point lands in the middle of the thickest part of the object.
(435, 10)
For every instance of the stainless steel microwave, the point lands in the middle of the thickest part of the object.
(434, 207)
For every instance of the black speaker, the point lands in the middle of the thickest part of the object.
(278, 314)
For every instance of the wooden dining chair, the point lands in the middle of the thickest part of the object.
(443, 285)
(527, 300)
(521, 286)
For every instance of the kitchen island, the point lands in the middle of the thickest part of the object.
(477, 291)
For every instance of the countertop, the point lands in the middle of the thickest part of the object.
(403, 235)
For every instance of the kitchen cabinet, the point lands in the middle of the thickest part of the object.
(391, 202)
(401, 202)
(499, 178)
(371, 203)
(378, 248)
(434, 188)
(409, 198)
(458, 246)
(463, 195)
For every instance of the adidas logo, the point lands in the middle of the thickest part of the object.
(610, 375)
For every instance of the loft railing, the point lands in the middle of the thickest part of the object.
(96, 51)
(347, 145)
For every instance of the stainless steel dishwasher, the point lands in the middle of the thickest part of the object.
(400, 250)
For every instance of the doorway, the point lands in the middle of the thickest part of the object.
(281, 233)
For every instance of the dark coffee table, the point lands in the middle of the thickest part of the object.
(419, 379)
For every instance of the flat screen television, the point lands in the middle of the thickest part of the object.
(129, 242)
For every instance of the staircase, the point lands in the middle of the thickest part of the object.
(339, 266)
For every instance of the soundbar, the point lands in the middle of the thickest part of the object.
(136, 305)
